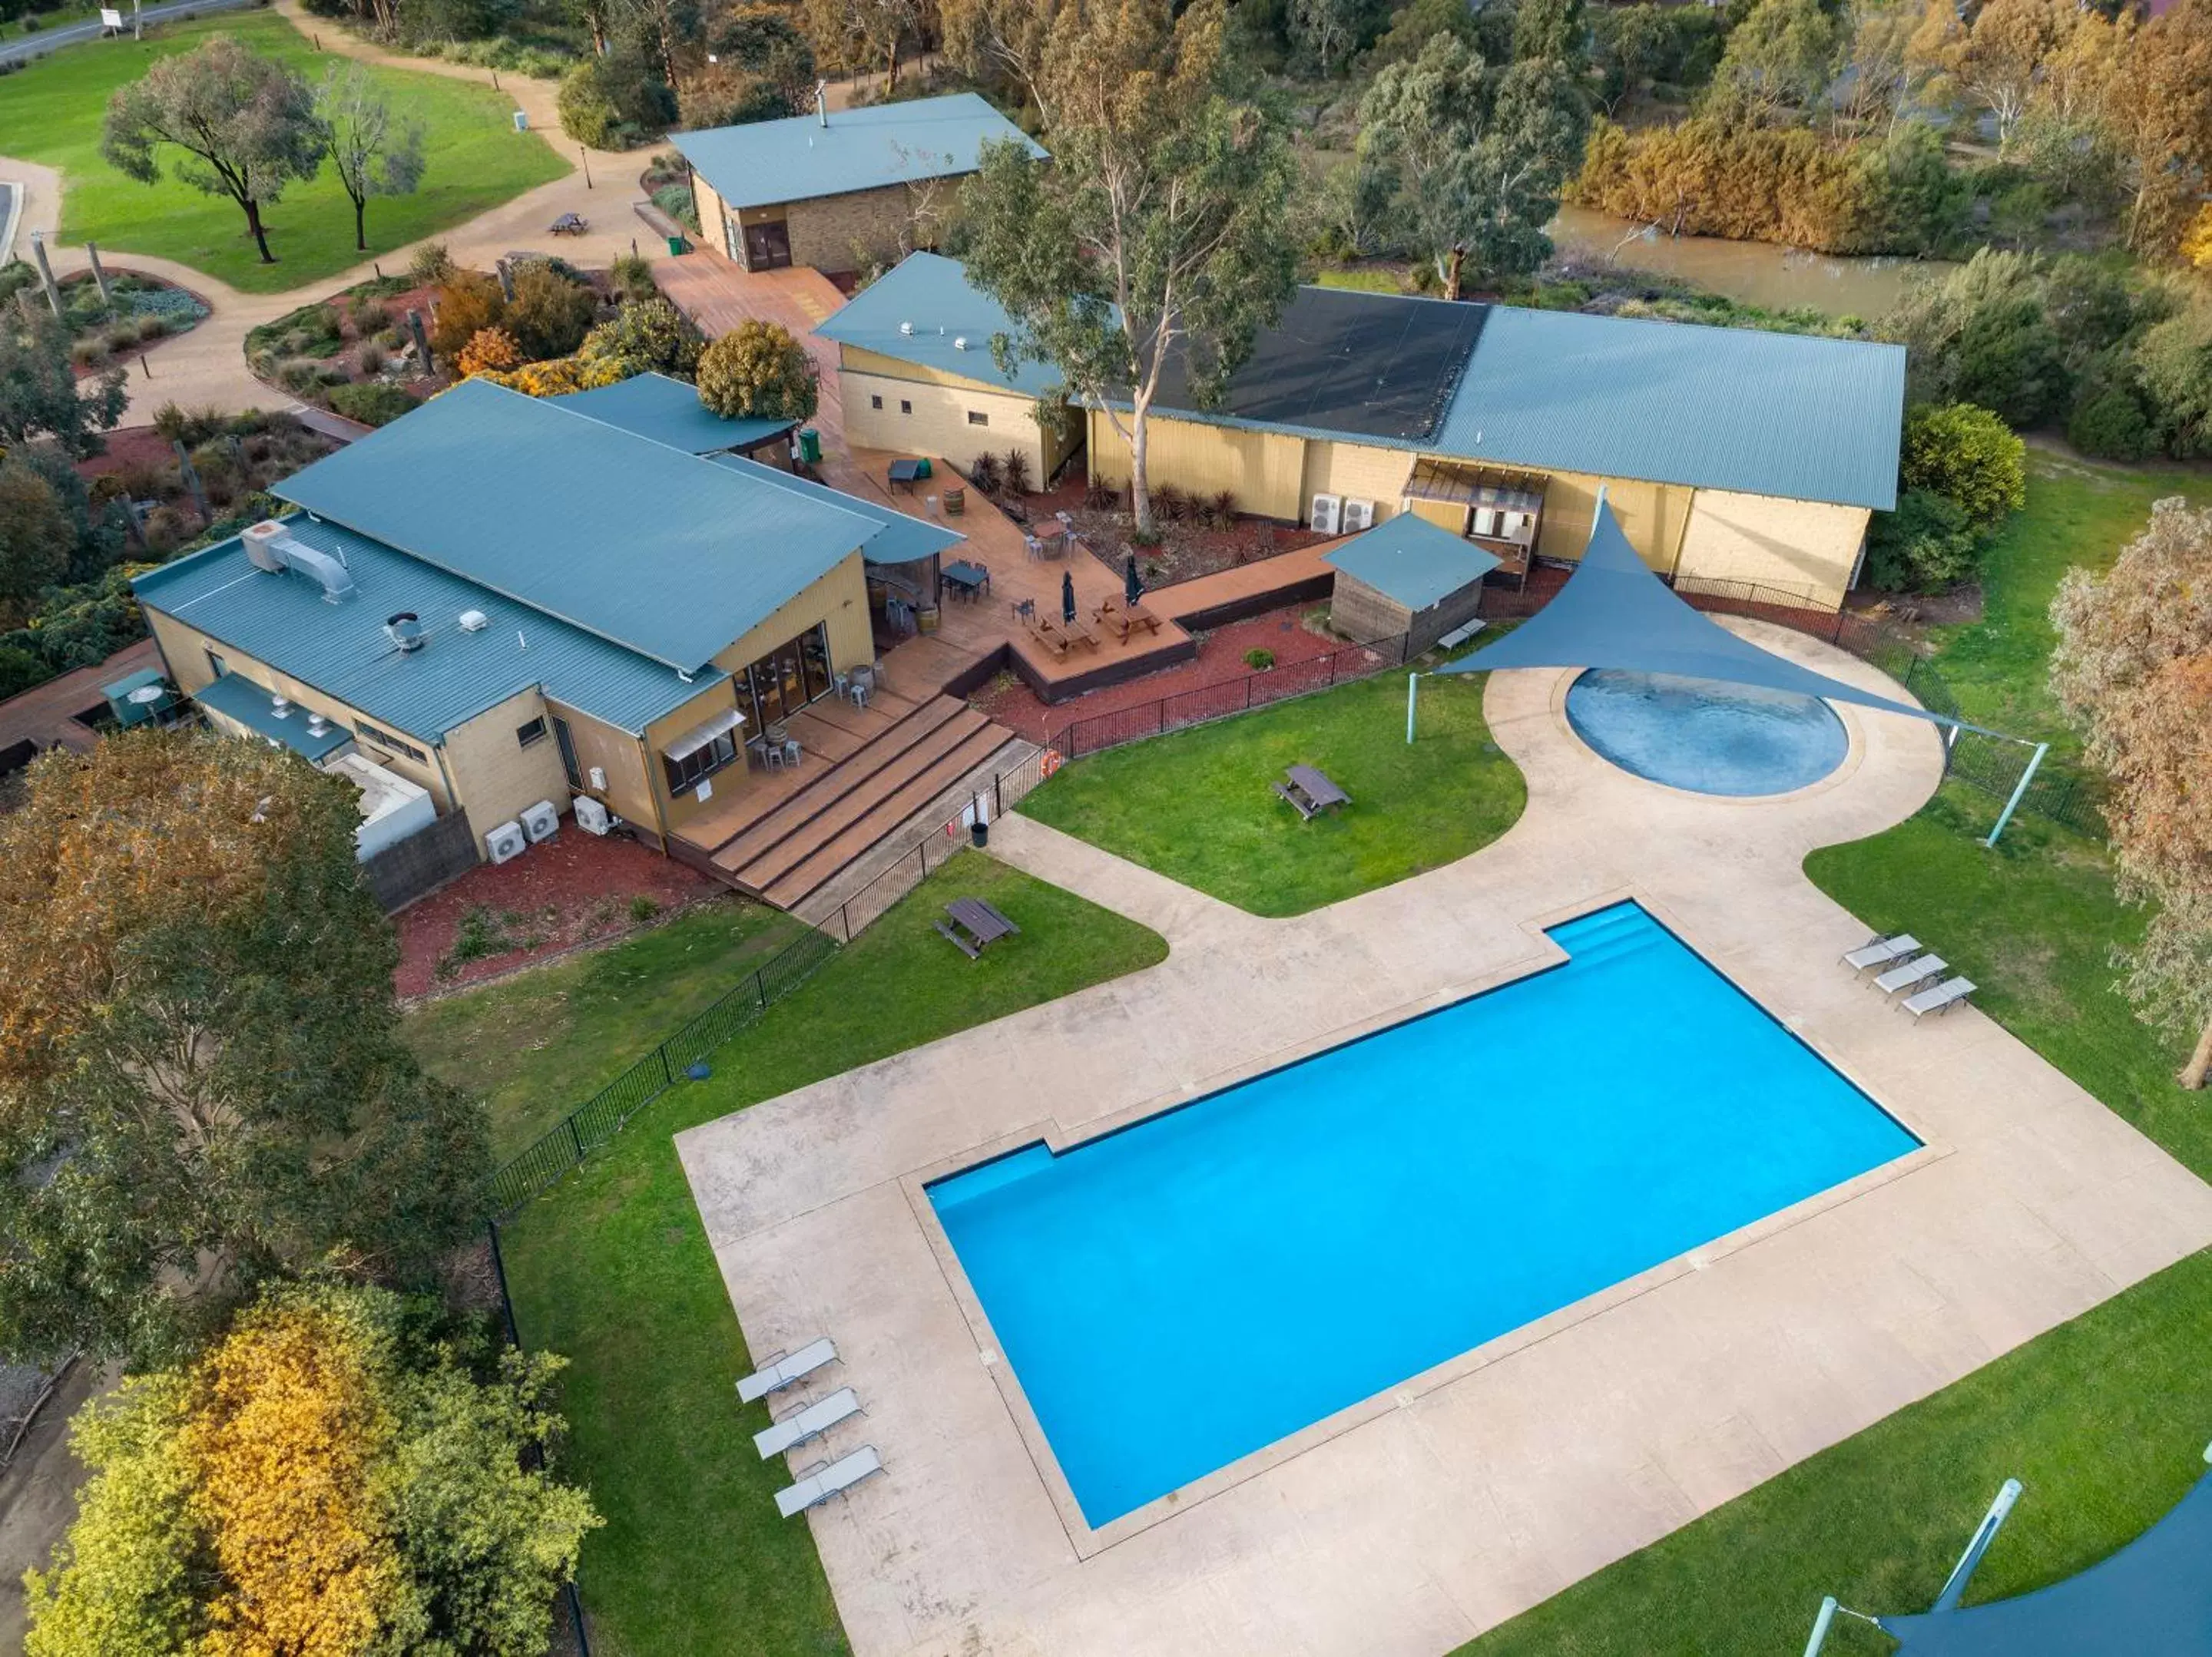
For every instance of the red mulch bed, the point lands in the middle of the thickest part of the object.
(1220, 657)
(129, 445)
(574, 889)
(1187, 550)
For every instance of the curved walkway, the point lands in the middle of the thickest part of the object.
(1408, 1524)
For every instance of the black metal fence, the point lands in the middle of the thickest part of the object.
(1216, 701)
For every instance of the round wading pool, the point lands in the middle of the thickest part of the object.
(1705, 736)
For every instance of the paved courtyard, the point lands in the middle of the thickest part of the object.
(1412, 1523)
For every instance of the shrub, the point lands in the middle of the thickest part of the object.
(469, 300)
(19, 670)
(89, 352)
(983, 473)
(299, 374)
(431, 264)
(366, 311)
(1100, 495)
(1259, 658)
(647, 335)
(615, 102)
(373, 404)
(550, 314)
(1969, 455)
(370, 358)
(1169, 504)
(1926, 544)
(2113, 426)
(1017, 471)
(2010, 359)
(1221, 510)
(489, 350)
(758, 371)
(642, 908)
(679, 204)
(632, 276)
(2173, 364)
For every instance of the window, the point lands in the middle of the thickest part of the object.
(875, 402)
(905, 407)
(978, 417)
(217, 665)
(383, 739)
(530, 735)
(561, 735)
(687, 772)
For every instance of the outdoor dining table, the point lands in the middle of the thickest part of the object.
(1053, 537)
(966, 579)
(907, 474)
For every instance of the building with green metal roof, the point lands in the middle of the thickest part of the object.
(669, 412)
(836, 185)
(1735, 457)
(506, 601)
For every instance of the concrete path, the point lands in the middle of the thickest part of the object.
(1410, 1522)
(21, 49)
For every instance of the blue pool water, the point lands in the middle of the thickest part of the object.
(1179, 1294)
(1705, 736)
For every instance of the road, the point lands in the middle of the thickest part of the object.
(22, 48)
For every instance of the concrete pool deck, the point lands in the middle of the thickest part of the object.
(1412, 1522)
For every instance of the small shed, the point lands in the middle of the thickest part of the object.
(1407, 575)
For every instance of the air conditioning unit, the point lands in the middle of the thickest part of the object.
(1323, 517)
(596, 777)
(541, 822)
(506, 843)
(1359, 515)
(591, 816)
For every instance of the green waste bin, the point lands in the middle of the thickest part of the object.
(678, 245)
(809, 445)
(921, 467)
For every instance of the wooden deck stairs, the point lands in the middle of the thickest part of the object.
(853, 805)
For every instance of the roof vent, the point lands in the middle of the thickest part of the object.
(259, 540)
(474, 621)
(317, 726)
(279, 708)
(960, 341)
(405, 630)
(269, 546)
(906, 327)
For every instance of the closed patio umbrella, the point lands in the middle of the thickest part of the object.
(1067, 595)
(1132, 588)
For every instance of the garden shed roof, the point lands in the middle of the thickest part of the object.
(1409, 560)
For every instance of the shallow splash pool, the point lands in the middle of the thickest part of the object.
(1705, 736)
(1181, 1293)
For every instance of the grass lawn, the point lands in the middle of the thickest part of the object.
(612, 1267)
(2103, 1418)
(1195, 805)
(536, 1045)
(52, 113)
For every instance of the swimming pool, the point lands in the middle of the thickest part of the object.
(1705, 736)
(1179, 1294)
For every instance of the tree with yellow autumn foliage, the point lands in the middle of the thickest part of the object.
(324, 1482)
(202, 1084)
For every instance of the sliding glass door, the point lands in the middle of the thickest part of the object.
(788, 677)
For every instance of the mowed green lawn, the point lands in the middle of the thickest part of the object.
(51, 113)
(536, 1045)
(612, 1267)
(1196, 805)
(2103, 1418)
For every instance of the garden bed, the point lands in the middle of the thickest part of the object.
(237, 457)
(352, 353)
(141, 312)
(1197, 538)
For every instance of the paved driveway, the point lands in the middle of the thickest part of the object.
(24, 47)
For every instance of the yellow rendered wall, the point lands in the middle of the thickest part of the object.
(1357, 471)
(939, 423)
(714, 227)
(628, 792)
(184, 654)
(1265, 470)
(494, 775)
(1807, 547)
(1652, 516)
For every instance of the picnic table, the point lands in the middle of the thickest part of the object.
(905, 474)
(569, 224)
(966, 579)
(979, 921)
(1123, 620)
(1309, 792)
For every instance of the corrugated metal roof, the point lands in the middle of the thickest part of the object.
(343, 652)
(659, 550)
(254, 707)
(1789, 414)
(915, 311)
(669, 412)
(904, 536)
(762, 163)
(1413, 561)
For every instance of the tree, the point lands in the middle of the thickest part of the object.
(371, 156)
(2172, 362)
(2159, 112)
(551, 313)
(247, 125)
(758, 371)
(35, 537)
(1328, 31)
(2133, 667)
(1780, 60)
(1157, 233)
(201, 1081)
(1480, 158)
(325, 1480)
(1968, 455)
(1002, 41)
(1992, 63)
(1927, 544)
(468, 302)
(41, 397)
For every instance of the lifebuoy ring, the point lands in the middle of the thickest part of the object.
(1052, 761)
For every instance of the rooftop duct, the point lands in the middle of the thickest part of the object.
(269, 546)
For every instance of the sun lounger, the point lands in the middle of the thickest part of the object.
(1880, 951)
(780, 1371)
(1912, 974)
(831, 1478)
(816, 1419)
(1941, 999)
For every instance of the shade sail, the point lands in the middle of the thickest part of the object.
(2152, 1598)
(1615, 612)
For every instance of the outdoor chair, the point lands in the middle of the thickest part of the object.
(1880, 951)
(830, 1478)
(1032, 546)
(811, 1422)
(1940, 998)
(1912, 974)
(773, 756)
(780, 1371)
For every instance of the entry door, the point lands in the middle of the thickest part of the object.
(767, 246)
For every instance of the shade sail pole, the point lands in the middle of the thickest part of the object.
(1413, 681)
(1993, 1520)
(2018, 792)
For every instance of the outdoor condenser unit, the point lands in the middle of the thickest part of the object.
(541, 822)
(506, 843)
(1323, 517)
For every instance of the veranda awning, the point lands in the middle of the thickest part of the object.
(1614, 612)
